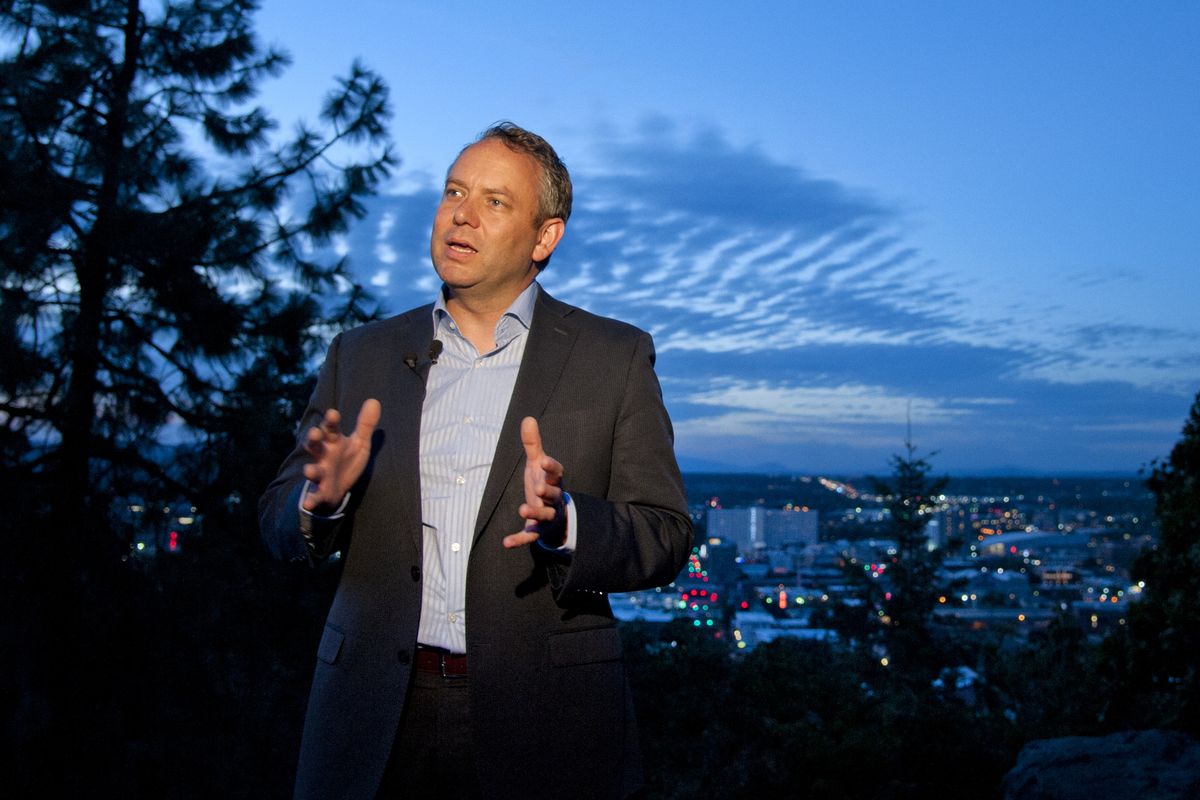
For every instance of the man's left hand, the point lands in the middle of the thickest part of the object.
(543, 511)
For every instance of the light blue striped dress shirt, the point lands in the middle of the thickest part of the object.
(466, 398)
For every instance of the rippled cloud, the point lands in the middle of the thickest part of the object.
(799, 325)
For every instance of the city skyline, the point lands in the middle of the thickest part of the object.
(833, 220)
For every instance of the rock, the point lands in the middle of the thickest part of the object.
(1147, 765)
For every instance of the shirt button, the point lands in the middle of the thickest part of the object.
(478, 364)
(455, 547)
(453, 617)
(468, 420)
(460, 480)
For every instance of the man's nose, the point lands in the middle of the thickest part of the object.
(465, 213)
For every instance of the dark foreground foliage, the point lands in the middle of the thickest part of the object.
(802, 719)
(1152, 663)
(183, 675)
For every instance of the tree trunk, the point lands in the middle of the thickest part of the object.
(95, 272)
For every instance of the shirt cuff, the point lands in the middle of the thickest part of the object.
(568, 545)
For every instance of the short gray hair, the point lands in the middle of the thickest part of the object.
(554, 198)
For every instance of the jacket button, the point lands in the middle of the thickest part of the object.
(402, 656)
(416, 573)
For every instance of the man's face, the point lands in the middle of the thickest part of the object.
(485, 240)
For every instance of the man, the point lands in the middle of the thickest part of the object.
(470, 648)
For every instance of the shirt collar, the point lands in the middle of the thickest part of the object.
(521, 309)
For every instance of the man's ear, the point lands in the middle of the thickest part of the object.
(550, 233)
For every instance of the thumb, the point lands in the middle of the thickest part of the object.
(368, 418)
(531, 438)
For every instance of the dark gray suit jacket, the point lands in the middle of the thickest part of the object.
(551, 710)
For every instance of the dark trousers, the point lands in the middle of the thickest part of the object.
(432, 752)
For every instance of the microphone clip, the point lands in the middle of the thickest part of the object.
(421, 365)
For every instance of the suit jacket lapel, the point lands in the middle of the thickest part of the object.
(407, 398)
(551, 336)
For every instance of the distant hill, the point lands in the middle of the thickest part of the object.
(1110, 494)
(690, 464)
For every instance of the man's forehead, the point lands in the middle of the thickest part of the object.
(489, 154)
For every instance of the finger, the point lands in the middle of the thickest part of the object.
(552, 468)
(544, 493)
(520, 539)
(314, 443)
(368, 418)
(313, 498)
(331, 425)
(313, 436)
(531, 437)
(533, 486)
(542, 513)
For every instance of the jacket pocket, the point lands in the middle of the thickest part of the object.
(585, 647)
(331, 645)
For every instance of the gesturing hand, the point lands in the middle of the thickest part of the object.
(337, 460)
(543, 511)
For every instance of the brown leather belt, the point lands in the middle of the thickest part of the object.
(448, 665)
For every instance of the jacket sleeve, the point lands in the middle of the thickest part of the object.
(288, 534)
(639, 535)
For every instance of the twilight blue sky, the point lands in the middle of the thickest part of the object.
(827, 213)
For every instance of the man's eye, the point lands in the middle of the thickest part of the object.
(495, 202)
(452, 192)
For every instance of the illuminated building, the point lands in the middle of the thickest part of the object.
(754, 528)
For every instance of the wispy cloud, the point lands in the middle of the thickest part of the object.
(838, 404)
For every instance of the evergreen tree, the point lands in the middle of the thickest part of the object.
(910, 498)
(150, 220)
(156, 286)
(1154, 657)
(894, 611)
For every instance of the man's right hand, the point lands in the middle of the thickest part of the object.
(337, 460)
